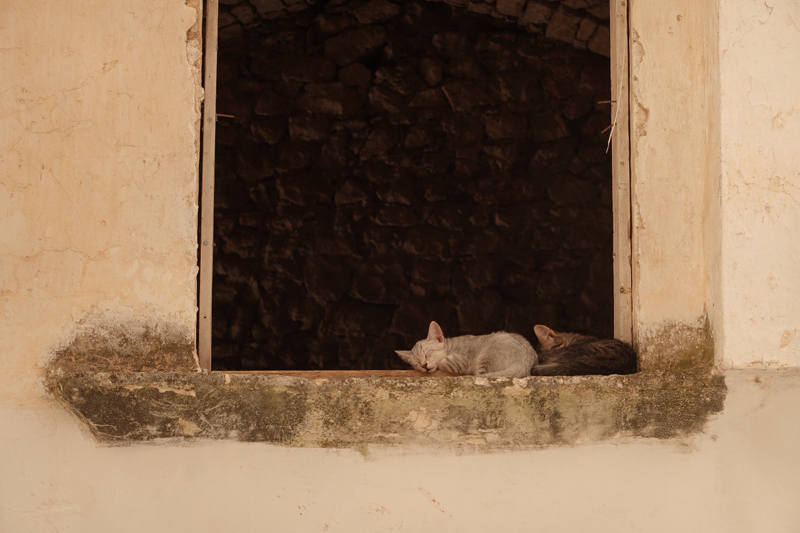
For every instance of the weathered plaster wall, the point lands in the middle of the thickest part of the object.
(760, 182)
(741, 475)
(98, 186)
(671, 112)
(98, 179)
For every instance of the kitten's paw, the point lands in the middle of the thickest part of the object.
(419, 367)
(433, 363)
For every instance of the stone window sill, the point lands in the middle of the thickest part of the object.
(357, 409)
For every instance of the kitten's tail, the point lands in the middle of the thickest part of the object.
(552, 369)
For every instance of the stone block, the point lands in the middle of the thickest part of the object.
(350, 193)
(536, 13)
(304, 190)
(271, 104)
(327, 278)
(511, 8)
(328, 98)
(294, 156)
(269, 131)
(601, 41)
(356, 75)
(429, 98)
(381, 281)
(226, 18)
(480, 313)
(267, 7)
(569, 191)
(563, 26)
(578, 4)
(413, 317)
(419, 135)
(480, 8)
(355, 45)
(395, 216)
(245, 14)
(586, 29)
(399, 191)
(308, 128)
(479, 273)
(463, 96)
(600, 11)
(468, 68)
(376, 11)
(328, 24)
(379, 143)
(462, 130)
(308, 69)
(425, 241)
(451, 45)
(547, 127)
(431, 69)
(253, 163)
(505, 126)
(266, 67)
(359, 319)
(503, 156)
(401, 78)
(384, 100)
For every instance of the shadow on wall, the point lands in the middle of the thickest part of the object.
(389, 164)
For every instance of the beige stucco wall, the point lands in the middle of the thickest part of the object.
(760, 182)
(98, 186)
(98, 180)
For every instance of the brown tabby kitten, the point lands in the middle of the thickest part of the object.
(572, 354)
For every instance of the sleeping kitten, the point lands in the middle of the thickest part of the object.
(572, 354)
(498, 354)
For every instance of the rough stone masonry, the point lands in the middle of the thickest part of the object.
(392, 163)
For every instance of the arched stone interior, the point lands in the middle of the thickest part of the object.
(388, 164)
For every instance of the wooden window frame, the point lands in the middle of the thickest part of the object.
(621, 178)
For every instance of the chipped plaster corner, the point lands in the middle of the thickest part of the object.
(194, 56)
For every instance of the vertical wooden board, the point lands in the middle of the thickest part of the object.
(207, 186)
(621, 181)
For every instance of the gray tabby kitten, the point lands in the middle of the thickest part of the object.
(573, 354)
(498, 354)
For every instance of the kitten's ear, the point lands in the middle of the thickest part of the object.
(544, 334)
(435, 333)
(405, 355)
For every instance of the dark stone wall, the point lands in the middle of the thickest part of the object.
(388, 164)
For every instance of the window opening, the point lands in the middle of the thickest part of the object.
(380, 165)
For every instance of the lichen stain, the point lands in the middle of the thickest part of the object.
(102, 343)
(677, 346)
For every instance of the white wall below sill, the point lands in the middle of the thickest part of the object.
(740, 474)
